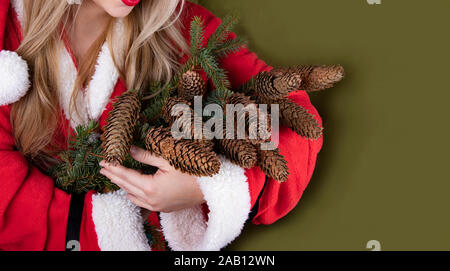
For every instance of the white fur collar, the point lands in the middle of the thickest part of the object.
(19, 9)
(94, 99)
(96, 96)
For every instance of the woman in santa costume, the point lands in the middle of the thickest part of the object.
(62, 63)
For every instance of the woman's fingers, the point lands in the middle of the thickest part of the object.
(128, 186)
(129, 175)
(121, 171)
(113, 178)
(138, 202)
(146, 157)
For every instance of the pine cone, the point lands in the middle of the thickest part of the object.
(256, 131)
(314, 78)
(118, 134)
(184, 155)
(297, 118)
(190, 85)
(324, 77)
(276, 85)
(239, 98)
(273, 164)
(185, 122)
(287, 82)
(239, 151)
(155, 138)
(170, 104)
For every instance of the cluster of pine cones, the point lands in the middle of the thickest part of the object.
(198, 156)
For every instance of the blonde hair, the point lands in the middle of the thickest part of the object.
(154, 44)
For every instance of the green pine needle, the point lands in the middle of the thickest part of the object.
(229, 47)
(212, 68)
(197, 35)
(223, 31)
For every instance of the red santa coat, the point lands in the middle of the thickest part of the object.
(34, 213)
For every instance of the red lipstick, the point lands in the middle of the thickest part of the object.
(131, 3)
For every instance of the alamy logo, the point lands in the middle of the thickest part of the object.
(373, 245)
(374, 2)
(73, 245)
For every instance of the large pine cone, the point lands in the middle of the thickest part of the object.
(256, 130)
(273, 164)
(269, 85)
(184, 155)
(314, 78)
(239, 151)
(191, 85)
(119, 130)
(297, 118)
(184, 122)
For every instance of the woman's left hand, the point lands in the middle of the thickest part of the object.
(167, 190)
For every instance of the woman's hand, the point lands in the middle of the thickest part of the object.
(167, 190)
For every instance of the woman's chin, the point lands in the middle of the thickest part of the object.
(120, 12)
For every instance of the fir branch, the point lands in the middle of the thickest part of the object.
(152, 111)
(223, 31)
(229, 47)
(197, 35)
(219, 97)
(79, 169)
(210, 65)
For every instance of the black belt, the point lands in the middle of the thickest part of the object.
(74, 222)
(255, 208)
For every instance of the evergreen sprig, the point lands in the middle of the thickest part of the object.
(210, 65)
(219, 97)
(197, 35)
(79, 170)
(222, 32)
(229, 47)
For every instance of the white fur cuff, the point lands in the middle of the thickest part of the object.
(14, 77)
(118, 223)
(228, 198)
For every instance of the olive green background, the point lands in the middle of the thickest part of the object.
(383, 171)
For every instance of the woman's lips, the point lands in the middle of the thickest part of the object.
(131, 3)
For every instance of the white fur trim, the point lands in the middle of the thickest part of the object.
(66, 82)
(228, 198)
(106, 74)
(118, 223)
(92, 102)
(102, 83)
(14, 77)
(19, 9)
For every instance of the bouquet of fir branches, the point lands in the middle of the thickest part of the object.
(147, 118)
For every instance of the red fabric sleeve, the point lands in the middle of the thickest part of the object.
(4, 8)
(33, 213)
(276, 199)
